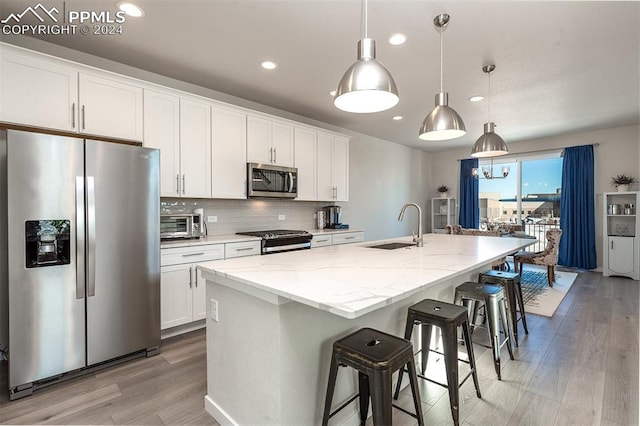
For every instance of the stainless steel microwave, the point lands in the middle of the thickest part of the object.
(180, 225)
(266, 180)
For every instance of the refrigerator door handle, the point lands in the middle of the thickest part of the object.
(80, 242)
(91, 237)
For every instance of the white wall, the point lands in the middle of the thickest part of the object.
(618, 152)
(383, 176)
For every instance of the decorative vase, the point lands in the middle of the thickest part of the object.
(622, 187)
(444, 194)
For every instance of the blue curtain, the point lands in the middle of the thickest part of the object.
(577, 211)
(469, 211)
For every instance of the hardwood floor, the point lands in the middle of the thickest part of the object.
(165, 389)
(579, 367)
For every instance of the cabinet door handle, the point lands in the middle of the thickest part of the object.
(190, 277)
(244, 249)
(611, 244)
(73, 115)
(270, 155)
(196, 274)
(349, 238)
(83, 120)
(322, 241)
(178, 184)
(183, 184)
(193, 254)
(275, 158)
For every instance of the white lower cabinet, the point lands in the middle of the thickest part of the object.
(182, 289)
(336, 238)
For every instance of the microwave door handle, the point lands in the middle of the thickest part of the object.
(290, 182)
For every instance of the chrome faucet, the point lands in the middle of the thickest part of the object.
(416, 238)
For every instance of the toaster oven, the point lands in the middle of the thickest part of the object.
(180, 226)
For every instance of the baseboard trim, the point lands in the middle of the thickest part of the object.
(218, 413)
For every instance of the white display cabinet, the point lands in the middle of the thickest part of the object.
(621, 222)
(443, 213)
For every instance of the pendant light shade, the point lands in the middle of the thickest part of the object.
(490, 144)
(367, 86)
(443, 122)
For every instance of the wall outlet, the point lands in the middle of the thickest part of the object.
(214, 310)
(281, 217)
(212, 219)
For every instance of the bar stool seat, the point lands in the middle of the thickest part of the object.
(493, 299)
(376, 356)
(510, 281)
(448, 317)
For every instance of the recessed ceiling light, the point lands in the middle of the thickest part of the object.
(268, 65)
(476, 98)
(131, 9)
(397, 117)
(397, 39)
(332, 93)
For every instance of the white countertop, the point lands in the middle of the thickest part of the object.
(209, 239)
(327, 231)
(351, 280)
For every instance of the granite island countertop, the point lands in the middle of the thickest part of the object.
(354, 279)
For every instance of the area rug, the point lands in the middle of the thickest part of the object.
(539, 298)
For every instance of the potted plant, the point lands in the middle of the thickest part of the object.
(443, 190)
(622, 182)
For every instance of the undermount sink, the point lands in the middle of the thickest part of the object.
(392, 246)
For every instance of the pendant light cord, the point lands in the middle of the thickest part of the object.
(489, 100)
(441, 60)
(365, 18)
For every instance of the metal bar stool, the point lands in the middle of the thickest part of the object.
(493, 298)
(376, 356)
(448, 317)
(510, 281)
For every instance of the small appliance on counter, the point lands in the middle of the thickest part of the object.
(333, 218)
(320, 219)
(181, 225)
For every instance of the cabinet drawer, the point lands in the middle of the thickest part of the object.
(321, 240)
(245, 248)
(348, 237)
(179, 255)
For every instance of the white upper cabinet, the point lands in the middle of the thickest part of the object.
(110, 107)
(228, 153)
(162, 131)
(269, 141)
(38, 91)
(305, 161)
(195, 148)
(181, 129)
(333, 167)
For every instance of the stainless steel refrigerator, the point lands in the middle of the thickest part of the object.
(83, 255)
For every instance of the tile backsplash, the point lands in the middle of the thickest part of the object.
(248, 215)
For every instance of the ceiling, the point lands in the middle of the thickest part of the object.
(561, 67)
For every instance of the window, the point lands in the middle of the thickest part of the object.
(531, 192)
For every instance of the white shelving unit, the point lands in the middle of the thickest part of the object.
(443, 212)
(621, 234)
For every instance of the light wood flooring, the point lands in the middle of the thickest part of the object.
(578, 368)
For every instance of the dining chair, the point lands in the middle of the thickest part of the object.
(548, 257)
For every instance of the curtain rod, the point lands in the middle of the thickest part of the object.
(540, 151)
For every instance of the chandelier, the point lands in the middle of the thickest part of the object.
(487, 172)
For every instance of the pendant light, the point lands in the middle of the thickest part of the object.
(443, 122)
(367, 86)
(490, 144)
(487, 172)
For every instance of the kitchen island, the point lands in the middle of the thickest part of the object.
(272, 319)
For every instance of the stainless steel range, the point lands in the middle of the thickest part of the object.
(281, 240)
